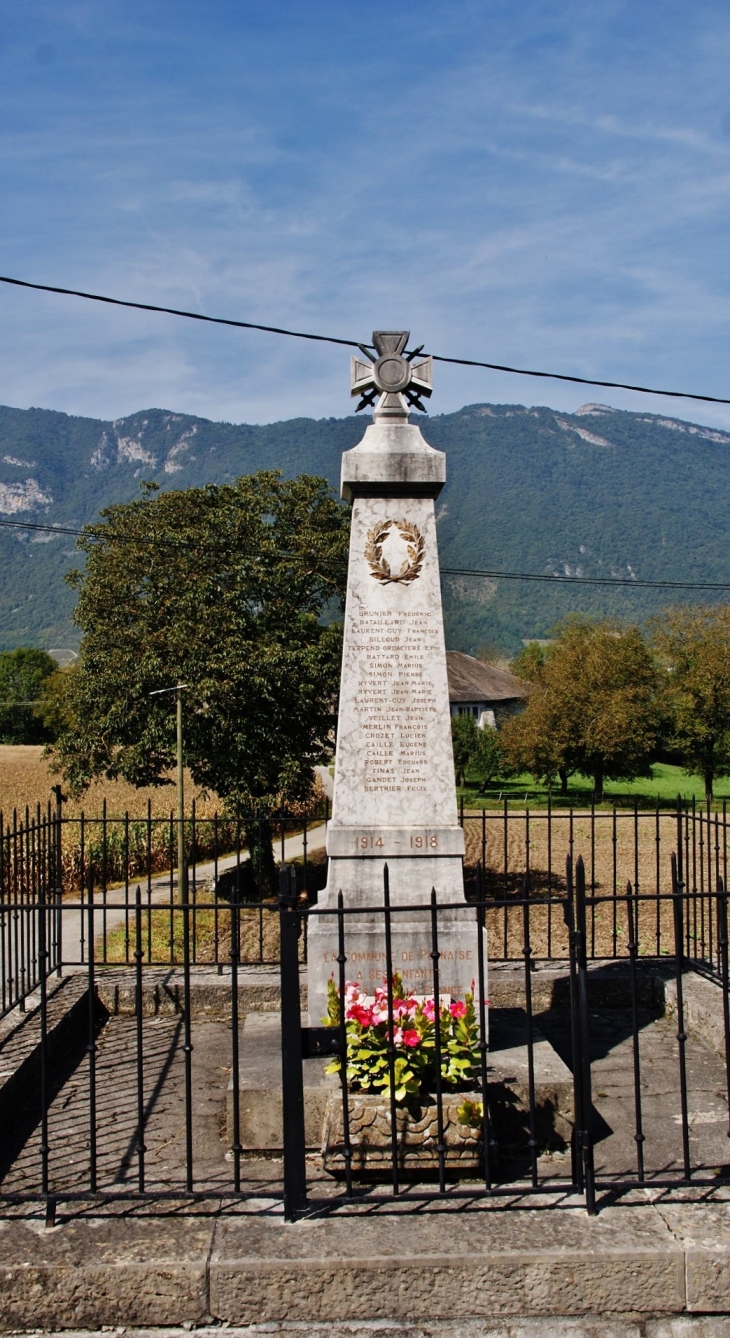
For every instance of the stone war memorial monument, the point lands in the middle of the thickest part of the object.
(394, 794)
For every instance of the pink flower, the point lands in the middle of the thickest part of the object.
(429, 1010)
(411, 1038)
(457, 1009)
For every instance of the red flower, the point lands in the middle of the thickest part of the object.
(457, 1008)
(411, 1038)
(359, 1014)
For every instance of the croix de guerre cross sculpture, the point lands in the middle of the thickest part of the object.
(394, 793)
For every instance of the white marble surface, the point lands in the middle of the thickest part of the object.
(394, 755)
(394, 794)
(393, 455)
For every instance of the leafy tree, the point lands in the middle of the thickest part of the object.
(488, 760)
(529, 663)
(596, 707)
(695, 646)
(476, 751)
(24, 674)
(463, 737)
(53, 708)
(224, 589)
(538, 740)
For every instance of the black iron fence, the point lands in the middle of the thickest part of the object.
(443, 1091)
(65, 856)
(509, 1126)
(121, 852)
(431, 1094)
(30, 873)
(619, 845)
(123, 849)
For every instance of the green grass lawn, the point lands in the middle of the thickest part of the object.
(666, 783)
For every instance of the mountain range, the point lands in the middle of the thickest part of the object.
(599, 492)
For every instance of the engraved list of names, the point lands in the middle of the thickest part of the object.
(395, 701)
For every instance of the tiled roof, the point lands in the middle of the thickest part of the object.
(470, 680)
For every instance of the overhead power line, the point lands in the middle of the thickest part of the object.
(100, 533)
(491, 575)
(105, 534)
(586, 580)
(357, 343)
(177, 311)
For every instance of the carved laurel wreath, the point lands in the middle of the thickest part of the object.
(416, 548)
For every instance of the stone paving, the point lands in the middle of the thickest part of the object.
(613, 1094)
(420, 1265)
(164, 1103)
(116, 1109)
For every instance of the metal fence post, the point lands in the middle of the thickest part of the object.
(530, 1039)
(633, 918)
(584, 1058)
(57, 955)
(722, 942)
(678, 908)
(42, 908)
(576, 1159)
(292, 1082)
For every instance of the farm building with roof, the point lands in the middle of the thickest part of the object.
(482, 690)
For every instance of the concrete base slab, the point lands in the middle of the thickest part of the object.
(260, 1103)
(260, 1107)
(703, 1011)
(104, 1271)
(705, 1236)
(509, 1083)
(454, 1271)
(485, 1264)
(259, 990)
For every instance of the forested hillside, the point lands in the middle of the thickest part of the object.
(598, 492)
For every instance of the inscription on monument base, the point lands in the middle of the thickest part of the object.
(393, 842)
(411, 949)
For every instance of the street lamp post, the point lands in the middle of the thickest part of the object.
(181, 870)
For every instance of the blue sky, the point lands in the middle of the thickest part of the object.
(540, 183)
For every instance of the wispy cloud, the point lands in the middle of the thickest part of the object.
(547, 185)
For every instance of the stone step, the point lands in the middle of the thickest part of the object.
(482, 1271)
(260, 1100)
(259, 988)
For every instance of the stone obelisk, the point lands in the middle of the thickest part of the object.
(394, 794)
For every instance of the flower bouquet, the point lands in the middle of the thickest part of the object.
(413, 1073)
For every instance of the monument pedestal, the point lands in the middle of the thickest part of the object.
(411, 947)
(394, 795)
